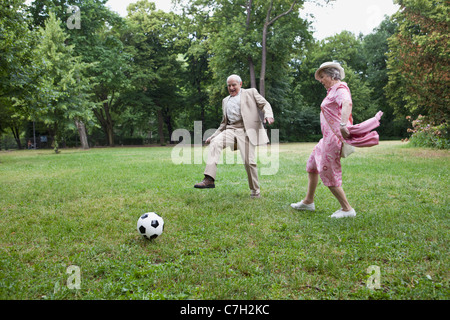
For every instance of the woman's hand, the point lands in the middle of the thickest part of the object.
(345, 133)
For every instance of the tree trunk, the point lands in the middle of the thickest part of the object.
(55, 138)
(16, 134)
(251, 65)
(104, 117)
(262, 77)
(110, 133)
(82, 132)
(161, 128)
(168, 122)
(109, 125)
(262, 80)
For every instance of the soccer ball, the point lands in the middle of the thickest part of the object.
(150, 225)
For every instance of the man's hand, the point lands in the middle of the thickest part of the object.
(208, 141)
(269, 121)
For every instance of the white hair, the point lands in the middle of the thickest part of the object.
(334, 73)
(235, 77)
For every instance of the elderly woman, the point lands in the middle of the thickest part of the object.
(335, 120)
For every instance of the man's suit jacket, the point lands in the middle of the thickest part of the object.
(251, 103)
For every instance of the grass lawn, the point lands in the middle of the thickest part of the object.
(80, 208)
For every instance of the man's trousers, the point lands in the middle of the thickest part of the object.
(234, 136)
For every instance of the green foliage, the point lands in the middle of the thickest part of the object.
(428, 135)
(98, 48)
(61, 94)
(376, 48)
(153, 72)
(14, 47)
(156, 41)
(419, 60)
(16, 70)
(345, 48)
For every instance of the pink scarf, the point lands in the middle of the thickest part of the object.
(361, 135)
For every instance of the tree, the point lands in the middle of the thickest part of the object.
(96, 42)
(62, 96)
(268, 22)
(246, 38)
(235, 32)
(418, 61)
(198, 76)
(112, 77)
(16, 70)
(156, 42)
(345, 48)
(375, 51)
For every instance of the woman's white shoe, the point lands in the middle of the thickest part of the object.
(303, 206)
(343, 214)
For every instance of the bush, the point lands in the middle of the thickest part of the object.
(425, 134)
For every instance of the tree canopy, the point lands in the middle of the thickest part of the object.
(419, 60)
(83, 74)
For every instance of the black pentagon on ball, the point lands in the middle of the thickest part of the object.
(151, 237)
(142, 229)
(144, 216)
(155, 223)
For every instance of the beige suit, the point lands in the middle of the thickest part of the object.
(243, 136)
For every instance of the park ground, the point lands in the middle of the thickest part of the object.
(68, 225)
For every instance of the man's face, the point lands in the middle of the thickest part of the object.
(233, 86)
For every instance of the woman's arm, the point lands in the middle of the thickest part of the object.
(346, 112)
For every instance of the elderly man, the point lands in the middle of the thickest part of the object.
(241, 128)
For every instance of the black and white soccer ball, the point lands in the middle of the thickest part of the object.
(150, 225)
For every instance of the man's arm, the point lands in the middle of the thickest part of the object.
(265, 106)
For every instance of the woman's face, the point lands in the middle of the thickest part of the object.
(326, 80)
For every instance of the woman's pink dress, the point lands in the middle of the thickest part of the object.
(326, 156)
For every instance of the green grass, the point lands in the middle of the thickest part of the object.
(81, 207)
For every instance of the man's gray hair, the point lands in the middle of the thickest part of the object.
(235, 77)
(334, 73)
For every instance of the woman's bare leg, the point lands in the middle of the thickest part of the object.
(313, 180)
(339, 193)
